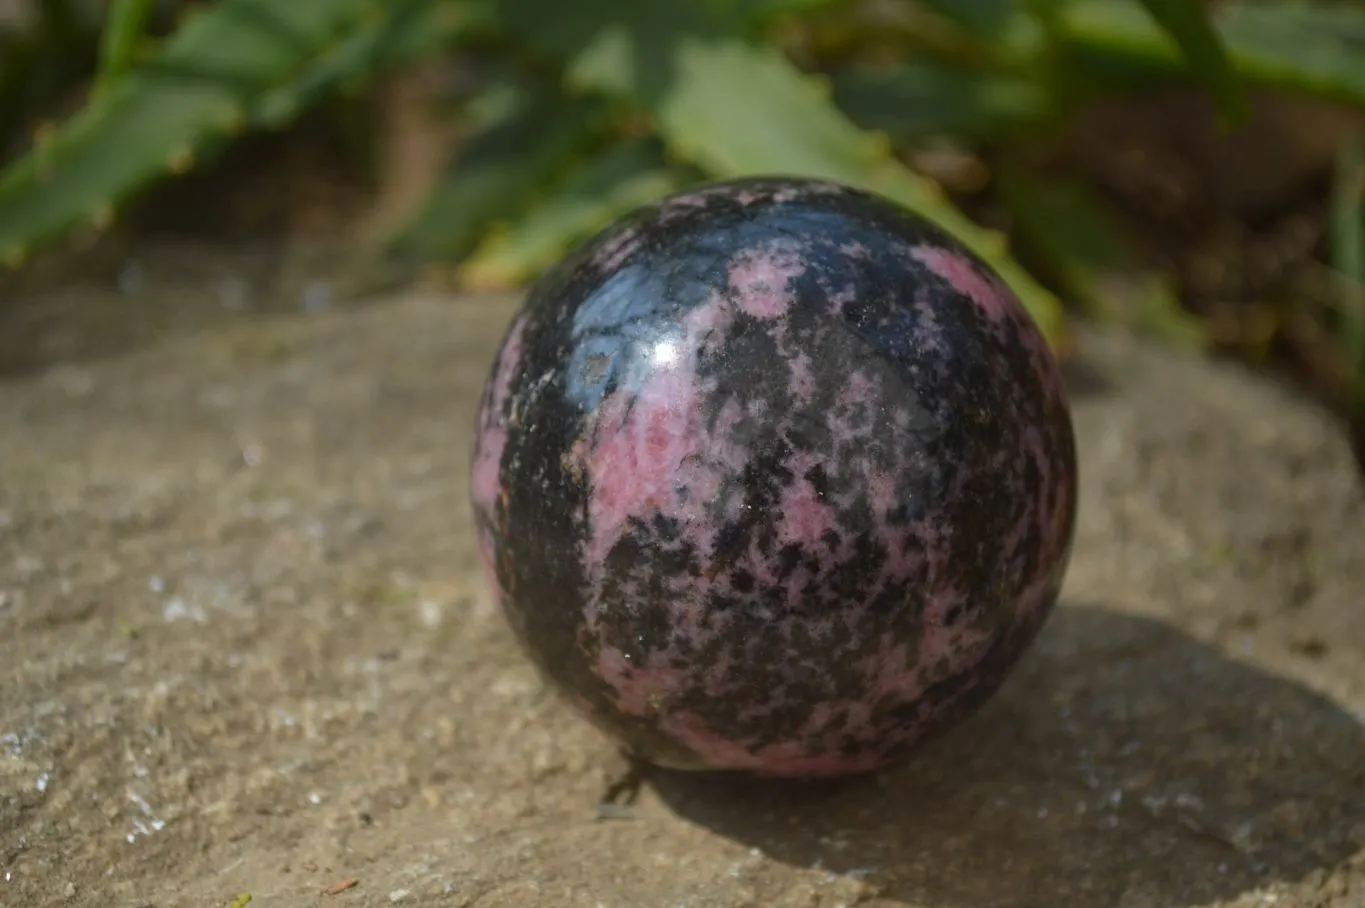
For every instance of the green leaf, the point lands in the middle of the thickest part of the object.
(40, 65)
(733, 109)
(763, 11)
(1187, 23)
(1348, 210)
(625, 176)
(1348, 254)
(926, 98)
(1315, 49)
(1092, 256)
(235, 64)
(739, 109)
(986, 18)
(498, 172)
(565, 29)
(1064, 223)
(614, 45)
(406, 31)
(124, 28)
(431, 27)
(736, 110)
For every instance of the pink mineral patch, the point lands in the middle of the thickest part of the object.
(760, 281)
(647, 448)
(809, 188)
(998, 303)
(637, 453)
(615, 251)
(485, 482)
(891, 675)
(994, 298)
(782, 759)
(838, 301)
(803, 378)
(639, 688)
(806, 516)
(959, 645)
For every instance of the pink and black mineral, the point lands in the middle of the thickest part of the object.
(774, 476)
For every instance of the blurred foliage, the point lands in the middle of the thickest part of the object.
(573, 113)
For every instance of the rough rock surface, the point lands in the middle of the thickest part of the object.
(245, 647)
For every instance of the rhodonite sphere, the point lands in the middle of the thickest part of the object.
(774, 476)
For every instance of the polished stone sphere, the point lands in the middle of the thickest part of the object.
(774, 476)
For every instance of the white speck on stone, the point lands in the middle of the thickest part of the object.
(152, 822)
(314, 798)
(156, 584)
(430, 613)
(398, 895)
(1154, 803)
(1116, 797)
(253, 454)
(178, 609)
(41, 783)
(141, 803)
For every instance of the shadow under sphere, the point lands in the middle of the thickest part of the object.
(1124, 763)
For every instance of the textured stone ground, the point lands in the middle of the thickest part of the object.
(244, 648)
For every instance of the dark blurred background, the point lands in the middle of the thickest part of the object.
(1195, 172)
